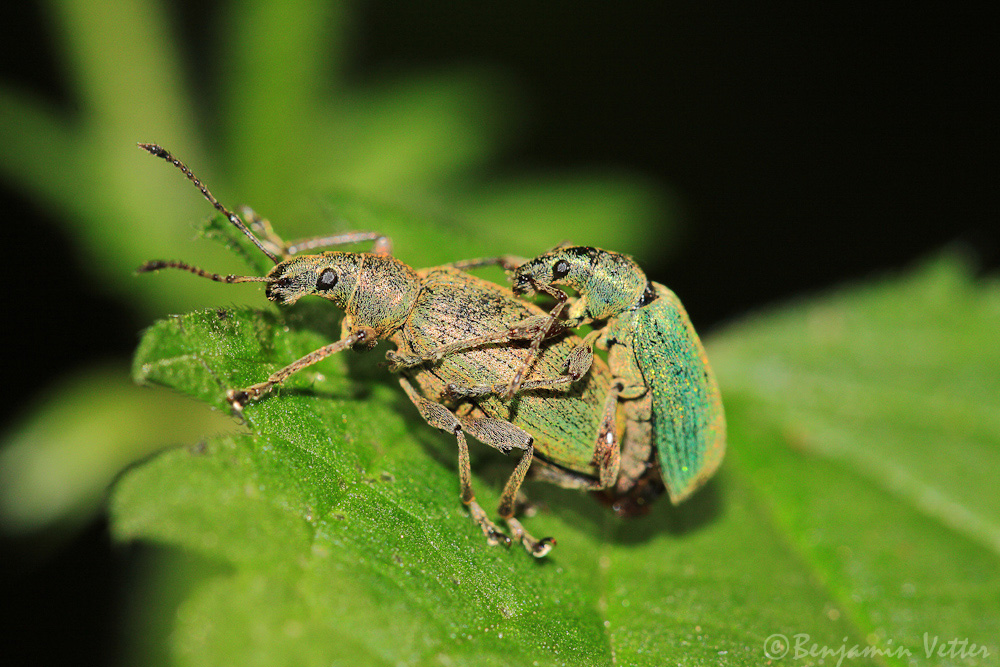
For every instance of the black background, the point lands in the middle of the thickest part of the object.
(810, 145)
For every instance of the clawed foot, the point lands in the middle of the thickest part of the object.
(238, 398)
(535, 547)
(494, 536)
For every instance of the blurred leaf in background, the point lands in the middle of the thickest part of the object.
(279, 125)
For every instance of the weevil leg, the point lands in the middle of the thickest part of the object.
(262, 227)
(535, 547)
(443, 419)
(607, 449)
(543, 331)
(636, 402)
(496, 433)
(238, 398)
(505, 436)
(544, 471)
(506, 508)
(578, 362)
(637, 444)
(381, 246)
(523, 330)
(399, 361)
(505, 262)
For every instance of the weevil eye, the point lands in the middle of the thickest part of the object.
(560, 269)
(326, 280)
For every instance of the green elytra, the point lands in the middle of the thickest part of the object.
(667, 383)
(565, 418)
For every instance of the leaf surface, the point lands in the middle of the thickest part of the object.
(343, 541)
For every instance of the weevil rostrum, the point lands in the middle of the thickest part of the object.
(564, 420)
(668, 392)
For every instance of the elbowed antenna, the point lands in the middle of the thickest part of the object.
(161, 152)
(157, 264)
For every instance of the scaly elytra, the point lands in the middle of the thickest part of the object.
(668, 387)
(668, 392)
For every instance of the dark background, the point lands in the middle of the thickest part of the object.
(809, 145)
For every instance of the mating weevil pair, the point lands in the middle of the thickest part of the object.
(669, 395)
(574, 420)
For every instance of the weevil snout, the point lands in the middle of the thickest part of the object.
(281, 287)
(524, 284)
(541, 272)
(329, 275)
(278, 291)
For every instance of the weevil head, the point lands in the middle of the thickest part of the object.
(332, 276)
(375, 291)
(608, 282)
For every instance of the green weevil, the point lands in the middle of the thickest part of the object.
(668, 391)
(565, 418)
(668, 385)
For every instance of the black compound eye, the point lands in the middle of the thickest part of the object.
(560, 269)
(327, 280)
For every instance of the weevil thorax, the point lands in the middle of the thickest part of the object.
(375, 291)
(608, 283)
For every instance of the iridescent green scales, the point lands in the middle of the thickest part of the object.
(688, 422)
(667, 388)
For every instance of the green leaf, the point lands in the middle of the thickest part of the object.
(883, 407)
(341, 539)
(899, 381)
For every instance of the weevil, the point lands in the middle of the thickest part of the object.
(564, 419)
(668, 386)
(669, 394)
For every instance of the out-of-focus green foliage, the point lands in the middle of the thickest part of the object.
(55, 468)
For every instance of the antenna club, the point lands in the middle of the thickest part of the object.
(158, 151)
(153, 265)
